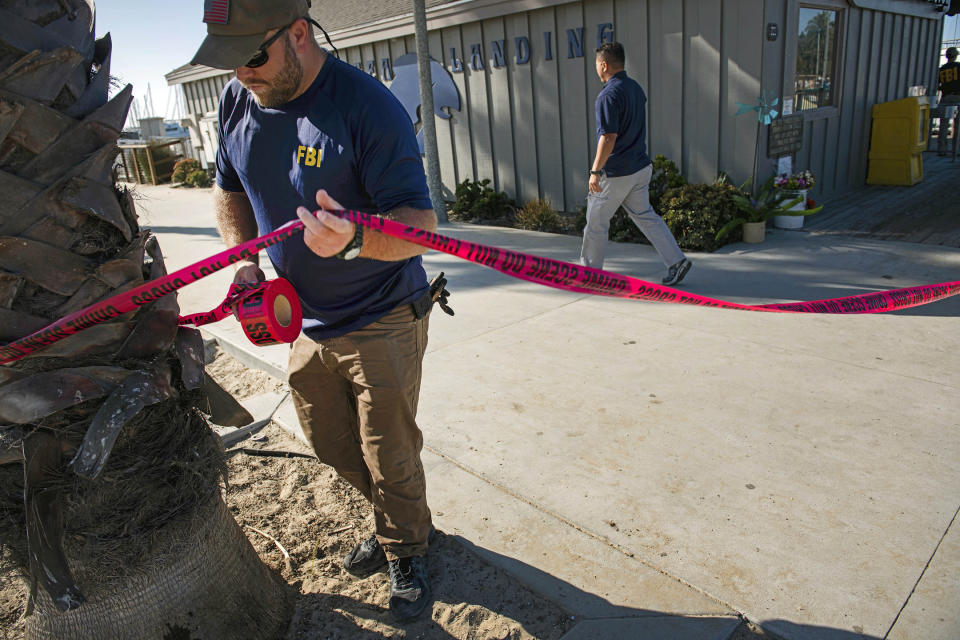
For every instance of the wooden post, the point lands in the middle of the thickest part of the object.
(136, 164)
(153, 171)
(123, 160)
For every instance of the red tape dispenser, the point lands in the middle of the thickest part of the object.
(269, 311)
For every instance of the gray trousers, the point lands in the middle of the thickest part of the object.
(633, 193)
(943, 141)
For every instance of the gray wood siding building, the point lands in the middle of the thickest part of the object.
(524, 70)
(201, 88)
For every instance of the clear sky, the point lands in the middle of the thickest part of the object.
(951, 27)
(151, 39)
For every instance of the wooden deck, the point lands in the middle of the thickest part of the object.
(928, 212)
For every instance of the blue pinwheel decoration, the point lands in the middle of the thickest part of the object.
(764, 108)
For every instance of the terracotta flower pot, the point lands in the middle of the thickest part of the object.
(754, 232)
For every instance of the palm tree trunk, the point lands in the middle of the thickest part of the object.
(208, 583)
(110, 478)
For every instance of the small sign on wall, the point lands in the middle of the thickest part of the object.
(786, 136)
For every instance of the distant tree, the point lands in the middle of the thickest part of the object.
(815, 48)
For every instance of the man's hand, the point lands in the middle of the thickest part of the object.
(325, 234)
(248, 272)
(594, 185)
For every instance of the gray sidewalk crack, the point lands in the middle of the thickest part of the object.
(924, 571)
(662, 616)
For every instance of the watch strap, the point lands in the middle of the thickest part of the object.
(352, 248)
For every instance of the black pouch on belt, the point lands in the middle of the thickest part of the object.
(436, 293)
(421, 306)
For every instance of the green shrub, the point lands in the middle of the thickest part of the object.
(665, 177)
(538, 215)
(198, 178)
(695, 212)
(184, 168)
(478, 202)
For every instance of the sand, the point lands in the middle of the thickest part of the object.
(301, 505)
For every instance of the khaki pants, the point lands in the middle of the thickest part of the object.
(356, 397)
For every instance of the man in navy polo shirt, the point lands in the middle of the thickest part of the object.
(299, 126)
(621, 171)
(948, 82)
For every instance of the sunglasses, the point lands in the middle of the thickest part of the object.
(261, 57)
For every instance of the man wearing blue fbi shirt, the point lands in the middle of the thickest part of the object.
(298, 127)
(948, 82)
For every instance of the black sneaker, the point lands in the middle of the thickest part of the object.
(366, 558)
(676, 272)
(410, 593)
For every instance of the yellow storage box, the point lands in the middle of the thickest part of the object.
(897, 141)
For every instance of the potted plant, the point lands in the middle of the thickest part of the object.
(757, 209)
(794, 186)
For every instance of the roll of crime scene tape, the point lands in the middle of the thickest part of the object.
(270, 313)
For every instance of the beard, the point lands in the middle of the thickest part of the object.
(283, 87)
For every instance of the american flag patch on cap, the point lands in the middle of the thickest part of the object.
(216, 11)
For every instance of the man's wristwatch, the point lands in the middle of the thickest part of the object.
(352, 250)
(596, 173)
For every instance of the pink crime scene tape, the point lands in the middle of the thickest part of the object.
(554, 273)
(579, 279)
(145, 293)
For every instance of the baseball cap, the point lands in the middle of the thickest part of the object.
(951, 52)
(236, 28)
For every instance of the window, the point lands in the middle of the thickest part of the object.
(816, 59)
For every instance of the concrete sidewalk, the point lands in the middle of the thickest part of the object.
(659, 469)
